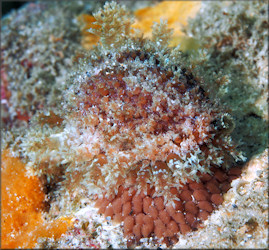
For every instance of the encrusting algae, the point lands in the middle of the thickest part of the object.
(137, 135)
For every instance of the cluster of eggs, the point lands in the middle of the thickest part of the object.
(145, 214)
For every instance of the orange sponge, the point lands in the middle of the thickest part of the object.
(144, 19)
(22, 222)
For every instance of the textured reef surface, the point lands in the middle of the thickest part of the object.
(140, 143)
